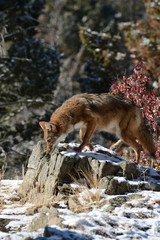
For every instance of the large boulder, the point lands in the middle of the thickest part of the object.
(48, 176)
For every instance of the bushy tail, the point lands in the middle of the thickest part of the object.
(146, 139)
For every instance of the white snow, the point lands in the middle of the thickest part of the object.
(112, 156)
(137, 218)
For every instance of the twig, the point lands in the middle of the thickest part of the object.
(26, 101)
(4, 148)
(16, 58)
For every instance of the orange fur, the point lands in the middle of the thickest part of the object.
(91, 112)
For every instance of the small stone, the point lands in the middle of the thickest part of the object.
(130, 170)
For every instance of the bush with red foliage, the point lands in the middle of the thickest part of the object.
(136, 89)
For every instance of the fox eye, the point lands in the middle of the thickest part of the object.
(49, 140)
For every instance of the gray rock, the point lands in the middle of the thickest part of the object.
(28, 183)
(65, 189)
(149, 186)
(82, 165)
(104, 168)
(42, 177)
(73, 203)
(49, 176)
(37, 153)
(118, 201)
(65, 235)
(50, 217)
(130, 170)
(108, 169)
(50, 185)
(112, 186)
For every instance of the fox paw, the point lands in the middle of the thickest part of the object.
(77, 149)
(90, 147)
(115, 149)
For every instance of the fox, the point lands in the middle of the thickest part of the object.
(104, 112)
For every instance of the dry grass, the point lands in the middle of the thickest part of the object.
(2, 172)
(86, 192)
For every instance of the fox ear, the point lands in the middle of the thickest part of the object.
(42, 124)
(50, 126)
(47, 126)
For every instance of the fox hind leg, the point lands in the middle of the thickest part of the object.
(115, 147)
(131, 141)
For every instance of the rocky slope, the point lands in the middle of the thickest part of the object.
(87, 195)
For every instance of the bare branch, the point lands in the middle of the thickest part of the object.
(16, 58)
(27, 102)
(8, 148)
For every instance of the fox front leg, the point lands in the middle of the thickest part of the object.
(82, 134)
(91, 125)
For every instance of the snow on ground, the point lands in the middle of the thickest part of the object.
(132, 222)
(13, 212)
(138, 217)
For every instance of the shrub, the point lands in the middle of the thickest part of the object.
(136, 88)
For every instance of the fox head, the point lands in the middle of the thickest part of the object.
(51, 135)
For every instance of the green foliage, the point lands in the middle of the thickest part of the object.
(73, 18)
(29, 64)
(21, 16)
(29, 71)
(39, 71)
(143, 40)
(103, 46)
(104, 61)
(153, 11)
(75, 13)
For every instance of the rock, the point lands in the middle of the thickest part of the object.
(42, 177)
(82, 166)
(36, 162)
(130, 170)
(46, 172)
(48, 177)
(28, 183)
(117, 201)
(54, 233)
(37, 153)
(113, 186)
(154, 173)
(43, 209)
(73, 203)
(50, 185)
(108, 169)
(54, 221)
(103, 168)
(149, 186)
(109, 209)
(48, 217)
(65, 189)
(38, 222)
